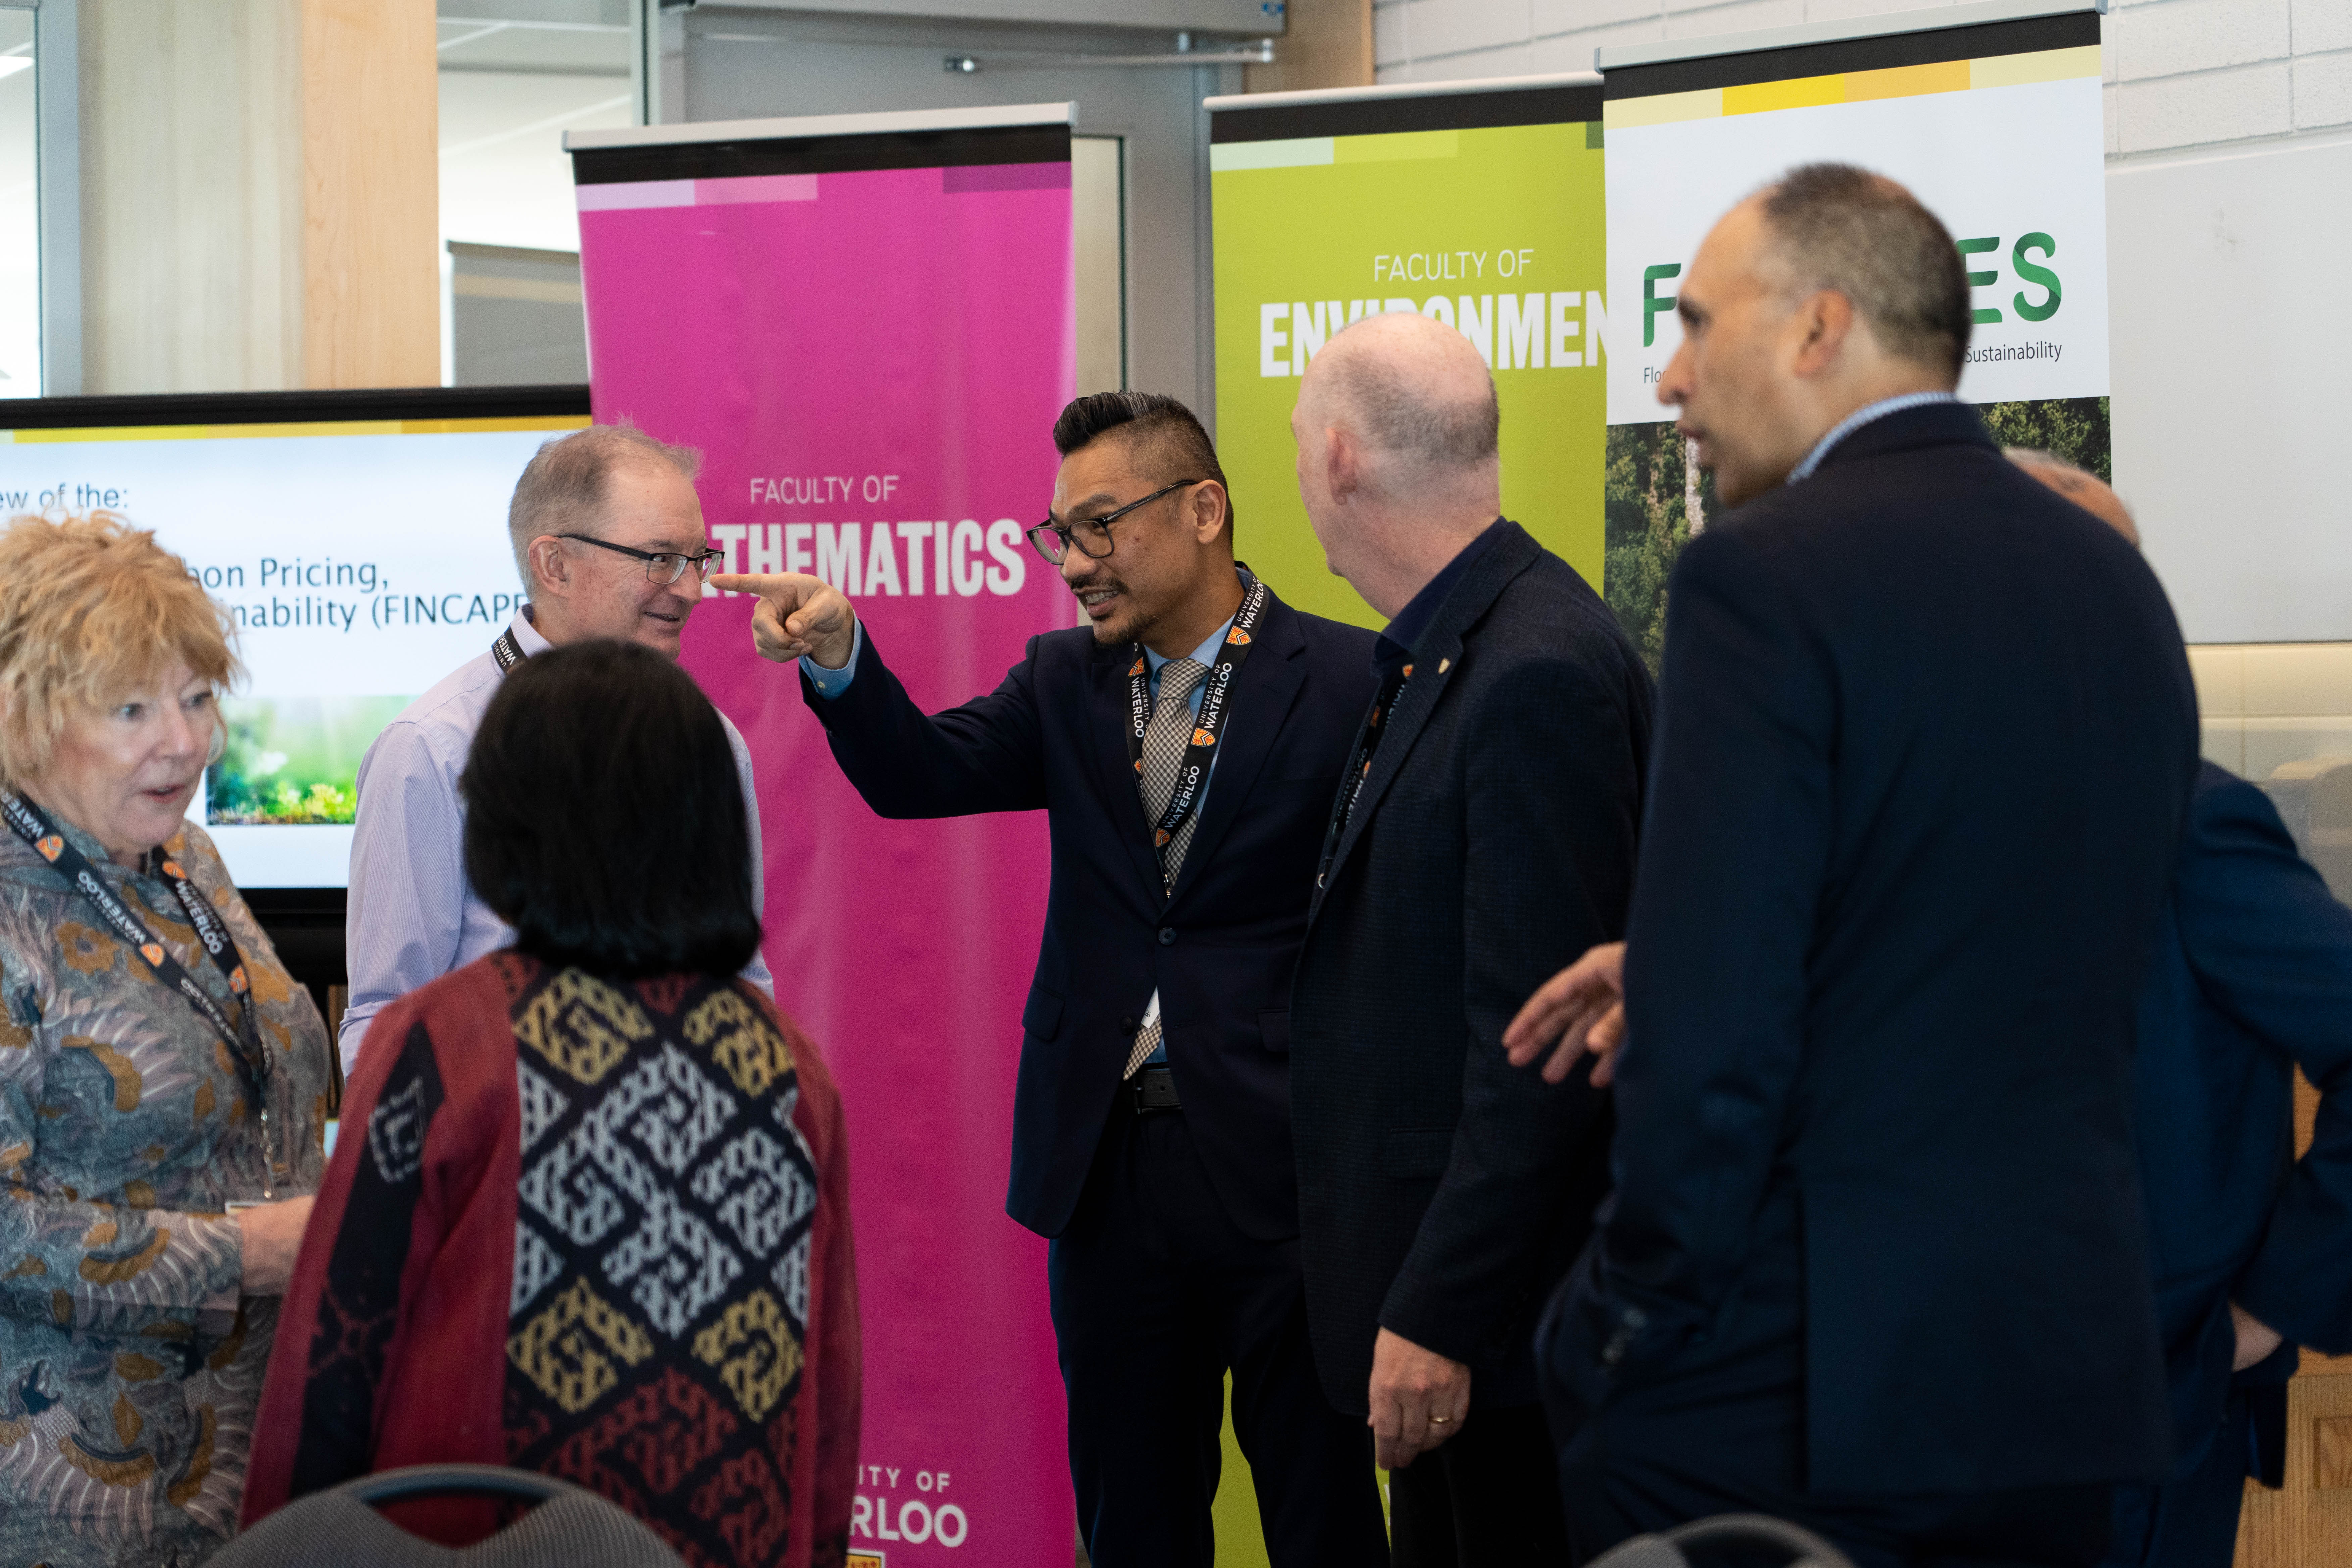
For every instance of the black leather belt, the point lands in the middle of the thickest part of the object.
(1154, 1089)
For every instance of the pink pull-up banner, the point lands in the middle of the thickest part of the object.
(866, 326)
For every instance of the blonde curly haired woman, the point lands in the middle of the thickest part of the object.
(157, 1067)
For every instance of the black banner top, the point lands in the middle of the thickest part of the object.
(1884, 51)
(101, 413)
(1558, 104)
(841, 153)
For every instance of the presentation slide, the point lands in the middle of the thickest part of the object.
(363, 561)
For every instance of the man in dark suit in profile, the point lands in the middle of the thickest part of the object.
(2251, 978)
(1484, 830)
(1184, 748)
(1876, 1260)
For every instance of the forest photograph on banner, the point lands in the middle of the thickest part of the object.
(1996, 127)
(1479, 207)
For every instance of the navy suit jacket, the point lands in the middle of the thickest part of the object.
(2252, 977)
(1925, 740)
(1219, 947)
(1443, 1192)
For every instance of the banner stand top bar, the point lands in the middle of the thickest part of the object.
(797, 127)
(1320, 95)
(1619, 56)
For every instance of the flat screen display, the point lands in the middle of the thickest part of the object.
(359, 541)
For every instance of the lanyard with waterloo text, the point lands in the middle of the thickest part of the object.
(1359, 767)
(244, 1036)
(1216, 692)
(506, 650)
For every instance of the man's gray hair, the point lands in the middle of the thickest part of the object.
(564, 486)
(1862, 235)
(1400, 416)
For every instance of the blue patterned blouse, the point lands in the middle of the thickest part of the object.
(129, 1365)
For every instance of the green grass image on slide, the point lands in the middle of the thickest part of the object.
(294, 760)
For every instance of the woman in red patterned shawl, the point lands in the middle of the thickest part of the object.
(588, 1213)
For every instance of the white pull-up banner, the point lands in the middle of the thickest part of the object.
(1995, 126)
(1988, 112)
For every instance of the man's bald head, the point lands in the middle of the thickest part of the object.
(2085, 489)
(1397, 465)
(1415, 394)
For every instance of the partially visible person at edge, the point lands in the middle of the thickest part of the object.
(1151, 1124)
(2252, 978)
(1484, 831)
(609, 541)
(603, 1129)
(1880, 974)
(157, 1064)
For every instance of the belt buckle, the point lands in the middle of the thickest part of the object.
(1155, 1089)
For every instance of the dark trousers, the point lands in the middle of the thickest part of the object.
(2190, 1521)
(1721, 1430)
(1156, 1297)
(1490, 1495)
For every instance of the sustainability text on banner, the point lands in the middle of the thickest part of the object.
(1995, 126)
(869, 336)
(1481, 208)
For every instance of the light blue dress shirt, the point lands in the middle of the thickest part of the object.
(412, 917)
(831, 683)
(1856, 420)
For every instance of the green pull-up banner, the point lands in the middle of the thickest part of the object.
(1477, 203)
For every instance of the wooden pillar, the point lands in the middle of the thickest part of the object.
(259, 195)
(1326, 43)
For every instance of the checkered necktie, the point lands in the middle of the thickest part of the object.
(1165, 740)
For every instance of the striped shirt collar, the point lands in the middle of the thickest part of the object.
(1857, 419)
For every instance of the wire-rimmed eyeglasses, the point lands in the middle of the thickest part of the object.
(661, 565)
(1090, 534)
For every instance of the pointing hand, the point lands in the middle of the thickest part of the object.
(799, 616)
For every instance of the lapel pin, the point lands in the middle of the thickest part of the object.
(1443, 664)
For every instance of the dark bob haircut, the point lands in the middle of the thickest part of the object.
(605, 818)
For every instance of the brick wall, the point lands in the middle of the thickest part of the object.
(2180, 73)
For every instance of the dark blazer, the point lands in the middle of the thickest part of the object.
(2251, 978)
(1442, 1192)
(1925, 746)
(1218, 948)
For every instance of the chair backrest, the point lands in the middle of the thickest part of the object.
(569, 1527)
(1744, 1532)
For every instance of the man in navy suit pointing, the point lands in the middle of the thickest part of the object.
(1185, 747)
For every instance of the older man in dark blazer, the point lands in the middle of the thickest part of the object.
(1877, 1260)
(1484, 830)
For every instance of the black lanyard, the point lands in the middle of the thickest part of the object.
(1215, 693)
(33, 825)
(1360, 766)
(506, 650)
